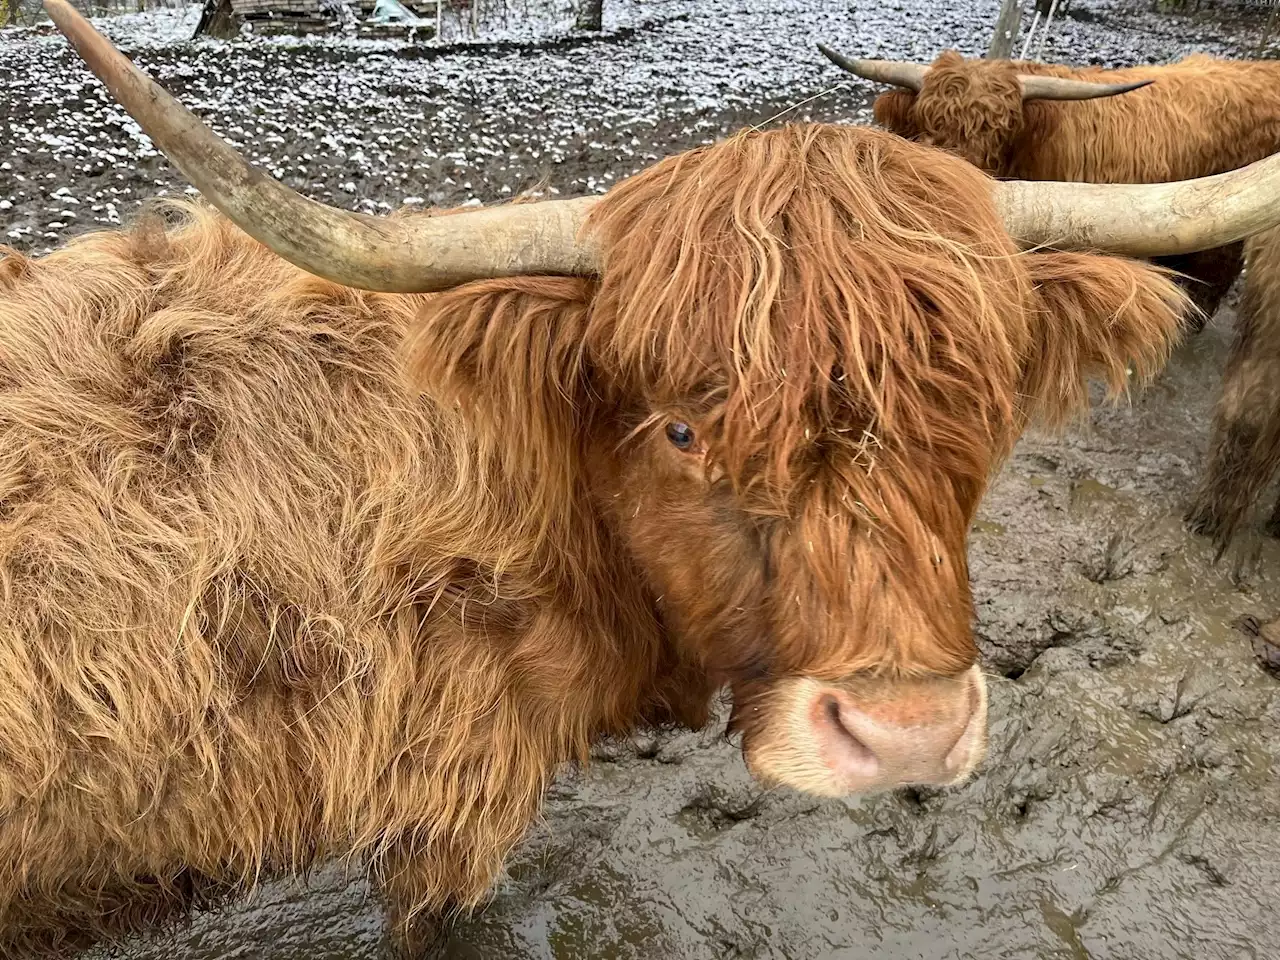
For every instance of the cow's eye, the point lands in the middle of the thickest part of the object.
(680, 435)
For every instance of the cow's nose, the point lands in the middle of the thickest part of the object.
(878, 744)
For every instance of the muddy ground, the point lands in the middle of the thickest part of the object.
(1129, 807)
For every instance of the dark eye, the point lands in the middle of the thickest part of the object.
(680, 435)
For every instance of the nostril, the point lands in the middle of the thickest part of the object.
(845, 750)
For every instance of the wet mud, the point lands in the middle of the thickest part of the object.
(1129, 807)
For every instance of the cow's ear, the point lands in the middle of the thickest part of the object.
(510, 353)
(892, 110)
(1096, 317)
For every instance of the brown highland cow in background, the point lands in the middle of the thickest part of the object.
(294, 570)
(1197, 117)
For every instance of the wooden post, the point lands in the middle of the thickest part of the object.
(1006, 30)
(218, 20)
(1044, 33)
(1031, 35)
(591, 15)
(1267, 31)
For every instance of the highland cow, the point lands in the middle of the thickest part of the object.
(1194, 118)
(294, 570)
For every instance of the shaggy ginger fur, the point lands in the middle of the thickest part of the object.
(1202, 116)
(272, 595)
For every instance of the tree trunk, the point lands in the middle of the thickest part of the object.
(218, 20)
(1006, 30)
(591, 15)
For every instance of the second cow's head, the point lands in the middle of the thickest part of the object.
(977, 109)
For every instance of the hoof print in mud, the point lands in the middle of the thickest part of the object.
(919, 798)
(1201, 520)
(646, 748)
(614, 750)
(1216, 873)
(715, 810)
(1266, 642)
(1115, 562)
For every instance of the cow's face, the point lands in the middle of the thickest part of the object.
(834, 600)
(808, 352)
(971, 108)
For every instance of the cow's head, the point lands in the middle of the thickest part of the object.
(808, 351)
(797, 359)
(972, 108)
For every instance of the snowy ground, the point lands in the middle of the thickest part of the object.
(1130, 807)
(376, 124)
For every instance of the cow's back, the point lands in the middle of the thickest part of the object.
(1200, 117)
(202, 450)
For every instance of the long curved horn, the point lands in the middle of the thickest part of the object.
(1062, 88)
(911, 76)
(894, 72)
(1144, 220)
(373, 253)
